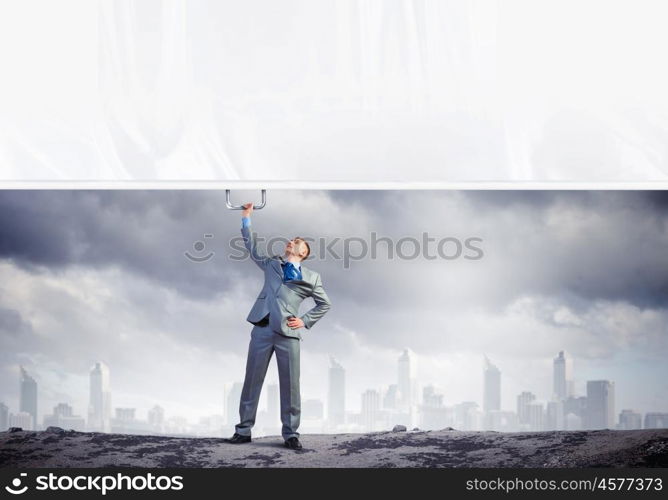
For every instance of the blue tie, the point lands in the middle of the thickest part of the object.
(290, 272)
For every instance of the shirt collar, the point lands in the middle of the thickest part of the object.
(296, 264)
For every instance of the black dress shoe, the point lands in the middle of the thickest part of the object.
(293, 443)
(238, 439)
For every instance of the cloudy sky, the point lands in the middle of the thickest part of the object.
(102, 275)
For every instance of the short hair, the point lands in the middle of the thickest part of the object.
(308, 247)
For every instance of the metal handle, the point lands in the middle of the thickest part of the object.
(229, 205)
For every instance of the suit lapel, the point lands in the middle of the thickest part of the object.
(276, 264)
(307, 275)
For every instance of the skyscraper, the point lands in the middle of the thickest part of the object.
(390, 397)
(28, 400)
(431, 398)
(336, 397)
(466, 415)
(562, 372)
(523, 402)
(576, 405)
(536, 416)
(554, 414)
(22, 419)
(629, 420)
(99, 408)
(126, 422)
(63, 417)
(491, 387)
(126, 414)
(433, 415)
(370, 407)
(600, 412)
(156, 418)
(656, 420)
(406, 379)
(4, 417)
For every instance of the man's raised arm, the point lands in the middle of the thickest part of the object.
(249, 238)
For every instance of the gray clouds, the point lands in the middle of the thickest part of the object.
(601, 244)
(580, 246)
(143, 232)
(12, 323)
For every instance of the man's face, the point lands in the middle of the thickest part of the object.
(296, 246)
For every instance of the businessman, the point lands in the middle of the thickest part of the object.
(277, 327)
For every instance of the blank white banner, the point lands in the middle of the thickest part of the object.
(314, 90)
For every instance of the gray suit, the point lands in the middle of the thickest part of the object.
(276, 302)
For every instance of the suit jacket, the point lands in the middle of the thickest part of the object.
(281, 300)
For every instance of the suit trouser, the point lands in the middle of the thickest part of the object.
(264, 341)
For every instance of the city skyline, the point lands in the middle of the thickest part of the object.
(380, 409)
(232, 391)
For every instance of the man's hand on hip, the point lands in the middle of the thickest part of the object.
(295, 322)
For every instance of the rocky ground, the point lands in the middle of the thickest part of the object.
(56, 447)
